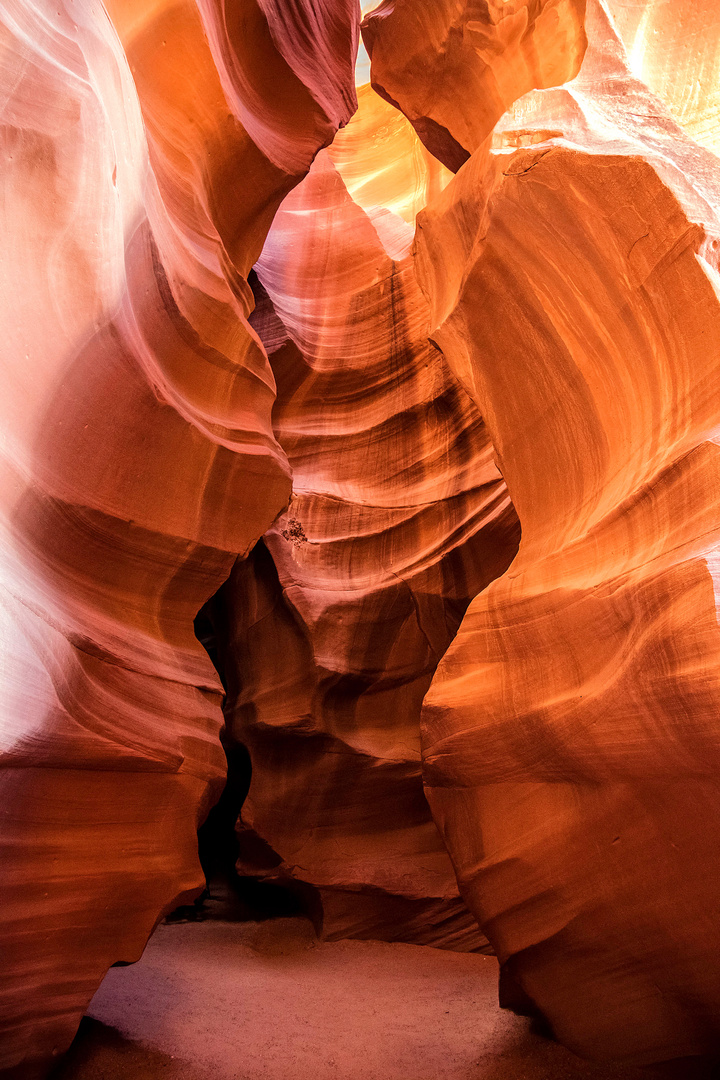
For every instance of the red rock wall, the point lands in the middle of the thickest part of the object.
(573, 721)
(138, 455)
(541, 353)
(454, 66)
(329, 635)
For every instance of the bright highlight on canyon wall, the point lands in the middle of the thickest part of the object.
(370, 435)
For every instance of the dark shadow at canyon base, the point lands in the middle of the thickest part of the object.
(100, 1052)
(228, 895)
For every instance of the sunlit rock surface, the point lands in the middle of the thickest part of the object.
(141, 169)
(383, 163)
(674, 47)
(570, 737)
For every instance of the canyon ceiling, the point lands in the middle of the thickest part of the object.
(406, 397)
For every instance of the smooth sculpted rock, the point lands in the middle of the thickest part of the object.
(141, 170)
(454, 66)
(570, 738)
(542, 352)
(674, 47)
(330, 632)
(384, 165)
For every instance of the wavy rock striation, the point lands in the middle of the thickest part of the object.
(330, 633)
(547, 335)
(142, 168)
(675, 49)
(570, 736)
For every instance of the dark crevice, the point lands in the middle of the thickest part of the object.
(229, 895)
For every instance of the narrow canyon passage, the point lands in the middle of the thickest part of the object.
(238, 986)
(359, 425)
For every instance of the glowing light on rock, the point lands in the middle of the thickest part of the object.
(413, 392)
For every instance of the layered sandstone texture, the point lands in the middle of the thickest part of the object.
(145, 150)
(331, 381)
(570, 737)
(330, 633)
(674, 47)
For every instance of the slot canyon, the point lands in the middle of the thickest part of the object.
(360, 576)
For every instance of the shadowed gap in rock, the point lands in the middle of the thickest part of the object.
(229, 895)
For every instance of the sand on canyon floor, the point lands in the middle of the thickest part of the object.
(219, 1000)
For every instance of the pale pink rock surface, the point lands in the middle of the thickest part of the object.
(674, 47)
(138, 455)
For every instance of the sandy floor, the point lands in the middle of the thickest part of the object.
(263, 1001)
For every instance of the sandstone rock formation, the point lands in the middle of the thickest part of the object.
(330, 633)
(674, 47)
(386, 407)
(570, 736)
(455, 66)
(141, 170)
(398, 518)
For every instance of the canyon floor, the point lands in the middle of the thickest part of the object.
(263, 1000)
